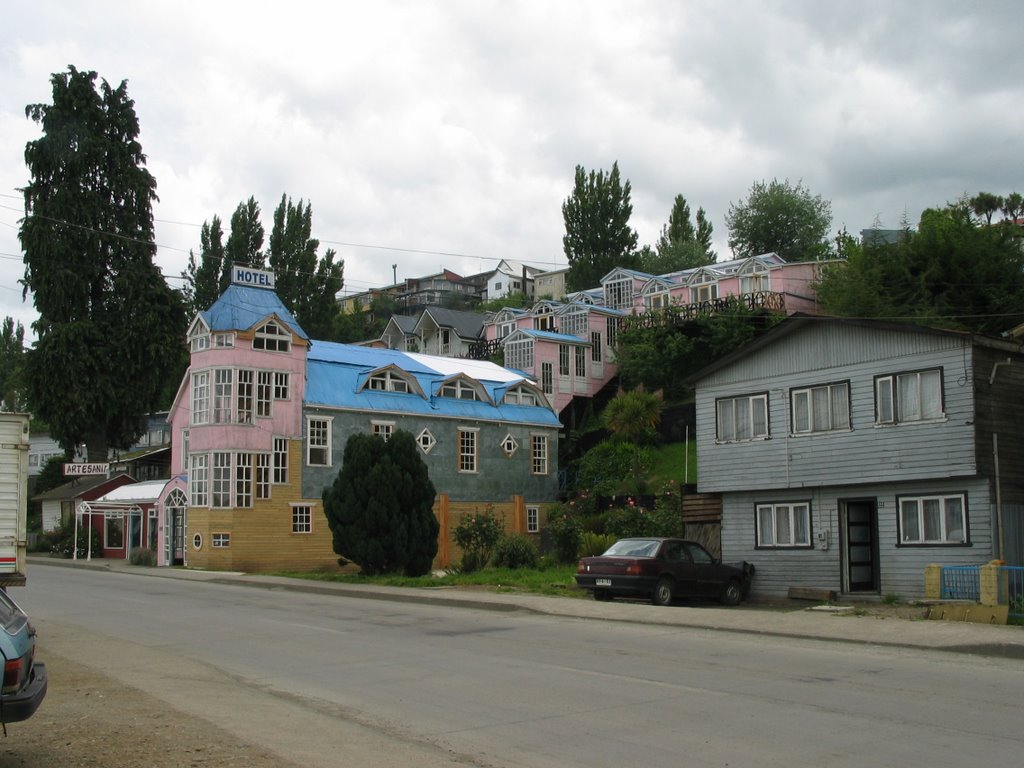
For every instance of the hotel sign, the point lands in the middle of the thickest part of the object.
(256, 278)
(81, 468)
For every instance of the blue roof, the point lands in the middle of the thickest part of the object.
(563, 338)
(241, 307)
(336, 375)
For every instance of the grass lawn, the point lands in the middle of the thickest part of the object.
(556, 580)
(675, 462)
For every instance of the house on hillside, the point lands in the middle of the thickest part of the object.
(447, 332)
(851, 454)
(261, 419)
(550, 284)
(507, 278)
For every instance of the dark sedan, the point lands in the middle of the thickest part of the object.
(662, 569)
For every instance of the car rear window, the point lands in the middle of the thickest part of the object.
(12, 618)
(634, 548)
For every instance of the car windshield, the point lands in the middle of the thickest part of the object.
(634, 548)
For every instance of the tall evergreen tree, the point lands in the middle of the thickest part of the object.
(380, 506)
(202, 276)
(681, 245)
(598, 237)
(110, 331)
(308, 286)
(245, 242)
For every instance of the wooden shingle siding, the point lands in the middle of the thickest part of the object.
(887, 453)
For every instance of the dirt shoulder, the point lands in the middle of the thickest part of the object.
(90, 719)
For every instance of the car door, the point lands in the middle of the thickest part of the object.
(678, 562)
(708, 576)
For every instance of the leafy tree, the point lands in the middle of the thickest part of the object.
(108, 323)
(681, 245)
(598, 237)
(1013, 207)
(12, 352)
(633, 416)
(307, 285)
(516, 300)
(985, 205)
(952, 271)
(783, 218)
(380, 506)
(245, 243)
(202, 277)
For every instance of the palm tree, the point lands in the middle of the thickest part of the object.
(634, 416)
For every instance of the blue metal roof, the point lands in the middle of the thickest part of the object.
(241, 307)
(563, 338)
(336, 373)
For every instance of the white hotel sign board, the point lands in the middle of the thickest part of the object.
(258, 278)
(81, 468)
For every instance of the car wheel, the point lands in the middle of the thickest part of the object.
(732, 593)
(663, 591)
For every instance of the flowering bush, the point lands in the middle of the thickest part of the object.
(565, 530)
(477, 534)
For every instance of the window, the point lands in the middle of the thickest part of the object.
(200, 342)
(581, 361)
(701, 293)
(575, 322)
(282, 380)
(201, 397)
(784, 525)
(221, 540)
(280, 461)
(595, 346)
(318, 442)
(618, 294)
(223, 340)
(264, 392)
(933, 519)
(821, 409)
(509, 445)
(532, 519)
(753, 283)
(244, 405)
(302, 518)
(383, 429)
(243, 479)
(113, 530)
(743, 418)
(184, 450)
(223, 395)
(446, 342)
(546, 378)
(539, 465)
(907, 397)
(272, 338)
(460, 390)
(519, 354)
(220, 480)
(657, 300)
(612, 331)
(467, 450)
(563, 359)
(425, 440)
(520, 396)
(262, 475)
(199, 479)
(543, 320)
(387, 381)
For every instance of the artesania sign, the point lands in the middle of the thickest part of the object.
(80, 468)
(260, 278)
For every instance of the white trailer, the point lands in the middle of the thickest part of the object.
(13, 497)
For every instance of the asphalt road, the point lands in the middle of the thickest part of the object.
(328, 680)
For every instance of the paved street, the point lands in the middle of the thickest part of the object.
(521, 687)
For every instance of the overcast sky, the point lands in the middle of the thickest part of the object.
(430, 134)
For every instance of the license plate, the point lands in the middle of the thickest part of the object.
(603, 582)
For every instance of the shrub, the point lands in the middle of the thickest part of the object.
(596, 543)
(477, 534)
(61, 541)
(630, 520)
(142, 556)
(565, 531)
(514, 550)
(606, 467)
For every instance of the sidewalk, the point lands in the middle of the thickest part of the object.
(957, 637)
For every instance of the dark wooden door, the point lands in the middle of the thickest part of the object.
(862, 545)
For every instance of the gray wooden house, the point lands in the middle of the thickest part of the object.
(851, 454)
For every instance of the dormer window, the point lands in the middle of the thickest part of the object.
(199, 342)
(520, 396)
(618, 294)
(460, 389)
(223, 340)
(388, 381)
(271, 337)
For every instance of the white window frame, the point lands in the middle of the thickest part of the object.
(114, 521)
(223, 395)
(914, 525)
(509, 445)
(580, 354)
(244, 396)
(575, 322)
(727, 409)
(223, 340)
(319, 439)
(383, 429)
(262, 475)
(220, 540)
(595, 346)
(271, 337)
(459, 389)
(221, 495)
(704, 292)
(519, 354)
(200, 397)
(302, 519)
(532, 518)
(900, 398)
(282, 385)
(778, 525)
(563, 360)
(468, 450)
(280, 461)
(425, 440)
(388, 381)
(618, 294)
(199, 479)
(243, 480)
(837, 408)
(547, 378)
(538, 454)
(264, 394)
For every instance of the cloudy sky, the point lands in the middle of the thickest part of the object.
(429, 134)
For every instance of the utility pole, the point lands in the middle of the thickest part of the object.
(394, 274)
